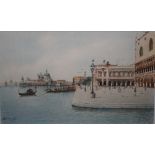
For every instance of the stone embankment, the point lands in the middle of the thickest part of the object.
(114, 98)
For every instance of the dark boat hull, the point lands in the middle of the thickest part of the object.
(27, 94)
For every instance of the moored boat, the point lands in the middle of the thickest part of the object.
(29, 92)
(61, 89)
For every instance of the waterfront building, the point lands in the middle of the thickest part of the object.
(78, 79)
(43, 80)
(60, 82)
(145, 60)
(107, 74)
(63, 83)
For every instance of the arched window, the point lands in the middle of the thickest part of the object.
(150, 44)
(141, 51)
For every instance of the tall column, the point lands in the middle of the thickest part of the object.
(107, 77)
(116, 84)
(147, 84)
(111, 83)
(125, 83)
(102, 77)
(121, 83)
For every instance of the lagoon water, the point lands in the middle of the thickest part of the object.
(57, 109)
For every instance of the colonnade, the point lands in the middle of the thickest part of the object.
(145, 83)
(116, 83)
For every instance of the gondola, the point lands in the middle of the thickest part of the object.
(29, 92)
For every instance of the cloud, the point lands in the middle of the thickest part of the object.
(64, 54)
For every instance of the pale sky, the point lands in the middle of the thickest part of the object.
(63, 54)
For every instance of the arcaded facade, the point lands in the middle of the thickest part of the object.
(114, 75)
(145, 60)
